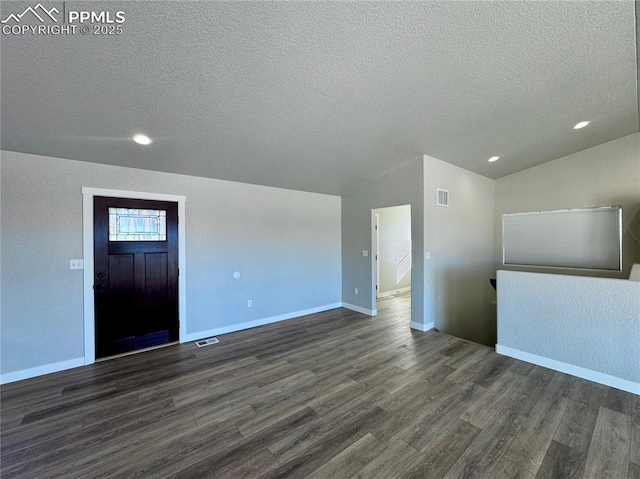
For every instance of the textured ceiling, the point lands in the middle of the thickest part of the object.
(324, 96)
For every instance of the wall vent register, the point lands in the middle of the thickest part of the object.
(443, 197)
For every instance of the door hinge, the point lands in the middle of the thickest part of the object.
(178, 271)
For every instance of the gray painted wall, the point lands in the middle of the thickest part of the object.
(403, 186)
(460, 239)
(394, 227)
(452, 288)
(608, 174)
(285, 243)
(592, 323)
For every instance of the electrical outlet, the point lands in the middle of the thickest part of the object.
(365, 252)
(249, 303)
(355, 290)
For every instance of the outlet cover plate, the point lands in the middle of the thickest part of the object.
(76, 264)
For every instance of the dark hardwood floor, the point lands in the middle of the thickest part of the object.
(331, 395)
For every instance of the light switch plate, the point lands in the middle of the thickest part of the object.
(427, 255)
(365, 252)
(76, 264)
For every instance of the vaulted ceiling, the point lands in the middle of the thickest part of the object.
(324, 96)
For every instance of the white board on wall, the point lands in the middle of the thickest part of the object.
(589, 238)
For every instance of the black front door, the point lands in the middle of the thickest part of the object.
(136, 274)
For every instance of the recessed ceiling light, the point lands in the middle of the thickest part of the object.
(494, 158)
(142, 139)
(582, 124)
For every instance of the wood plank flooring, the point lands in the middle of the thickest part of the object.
(331, 395)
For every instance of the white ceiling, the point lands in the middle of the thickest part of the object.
(325, 96)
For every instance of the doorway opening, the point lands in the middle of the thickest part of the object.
(392, 257)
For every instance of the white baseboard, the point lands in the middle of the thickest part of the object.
(360, 309)
(421, 326)
(258, 322)
(41, 370)
(567, 368)
(74, 363)
(395, 291)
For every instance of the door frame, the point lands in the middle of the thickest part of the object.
(374, 262)
(375, 246)
(375, 255)
(88, 193)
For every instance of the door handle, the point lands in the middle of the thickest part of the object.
(100, 286)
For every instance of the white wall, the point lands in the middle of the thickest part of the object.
(394, 227)
(460, 239)
(588, 327)
(403, 186)
(605, 175)
(285, 243)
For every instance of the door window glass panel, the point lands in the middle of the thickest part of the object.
(133, 224)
